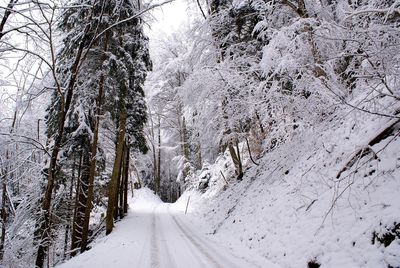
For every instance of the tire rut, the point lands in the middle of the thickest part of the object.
(154, 250)
(170, 263)
(197, 245)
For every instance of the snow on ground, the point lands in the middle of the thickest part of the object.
(292, 210)
(155, 234)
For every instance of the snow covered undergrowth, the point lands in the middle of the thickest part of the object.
(292, 208)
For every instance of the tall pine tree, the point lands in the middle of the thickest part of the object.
(129, 66)
(105, 56)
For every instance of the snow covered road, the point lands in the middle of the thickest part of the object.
(174, 244)
(157, 235)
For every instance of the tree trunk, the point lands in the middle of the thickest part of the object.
(126, 178)
(236, 159)
(3, 215)
(43, 231)
(77, 187)
(113, 187)
(199, 157)
(7, 14)
(260, 122)
(81, 203)
(121, 186)
(117, 211)
(153, 149)
(158, 182)
(251, 157)
(185, 139)
(68, 224)
(93, 163)
(301, 11)
(240, 167)
(185, 147)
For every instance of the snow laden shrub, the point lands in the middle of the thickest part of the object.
(258, 73)
(21, 162)
(291, 93)
(316, 55)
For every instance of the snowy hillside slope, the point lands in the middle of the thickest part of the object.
(293, 209)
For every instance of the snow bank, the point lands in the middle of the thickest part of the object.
(144, 197)
(292, 209)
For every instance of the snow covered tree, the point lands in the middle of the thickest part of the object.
(64, 120)
(167, 116)
(129, 65)
(117, 61)
(84, 116)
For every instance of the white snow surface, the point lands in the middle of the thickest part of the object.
(291, 209)
(156, 234)
(286, 212)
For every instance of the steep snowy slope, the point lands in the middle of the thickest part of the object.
(298, 209)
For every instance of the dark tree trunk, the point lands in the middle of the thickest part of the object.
(251, 156)
(240, 167)
(185, 147)
(117, 210)
(153, 150)
(158, 182)
(126, 177)
(3, 215)
(6, 15)
(43, 232)
(77, 187)
(121, 186)
(113, 186)
(93, 163)
(68, 224)
(236, 159)
(260, 122)
(81, 203)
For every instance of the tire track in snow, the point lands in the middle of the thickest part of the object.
(207, 246)
(214, 248)
(169, 262)
(194, 252)
(144, 258)
(154, 252)
(191, 249)
(200, 248)
(142, 254)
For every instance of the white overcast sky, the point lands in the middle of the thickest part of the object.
(168, 18)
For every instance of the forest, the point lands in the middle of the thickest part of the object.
(250, 104)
